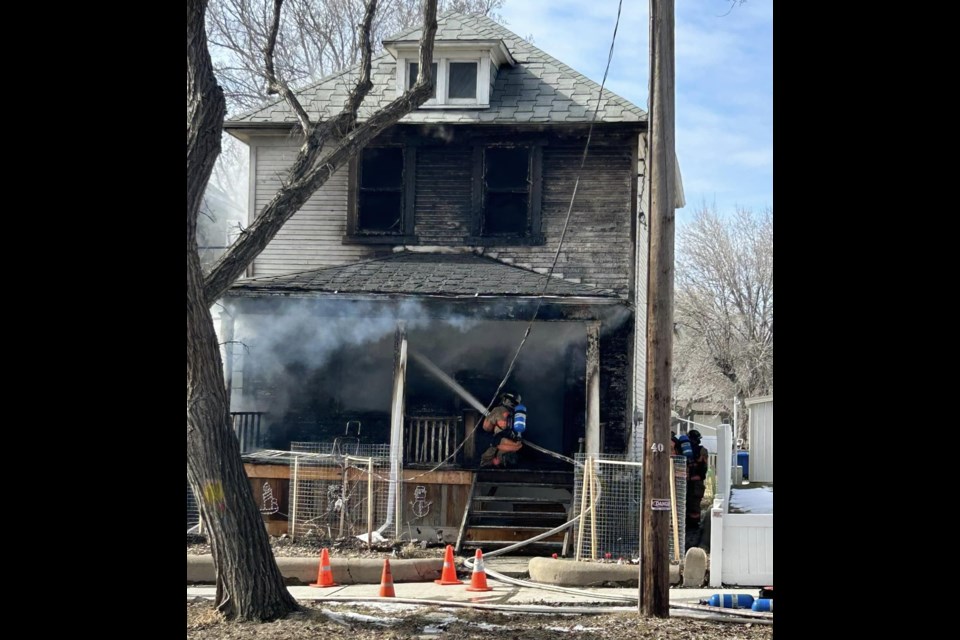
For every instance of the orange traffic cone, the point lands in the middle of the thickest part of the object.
(478, 581)
(324, 574)
(386, 581)
(449, 575)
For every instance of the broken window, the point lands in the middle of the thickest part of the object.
(506, 198)
(380, 193)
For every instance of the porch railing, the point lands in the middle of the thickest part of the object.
(246, 426)
(432, 439)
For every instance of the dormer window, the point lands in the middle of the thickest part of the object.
(464, 70)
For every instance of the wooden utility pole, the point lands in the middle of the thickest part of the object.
(655, 519)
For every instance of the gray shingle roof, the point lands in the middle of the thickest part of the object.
(456, 274)
(538, 89)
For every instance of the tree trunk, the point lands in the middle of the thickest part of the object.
(249, 584)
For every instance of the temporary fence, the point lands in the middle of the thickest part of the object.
(608, 496)
(338, 491)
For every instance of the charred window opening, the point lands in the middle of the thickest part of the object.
(380, 194)
(506, 181)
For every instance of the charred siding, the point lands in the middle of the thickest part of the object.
(444, 184)
(598, 247)
(615, 381)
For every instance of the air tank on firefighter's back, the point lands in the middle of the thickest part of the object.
(685, 447)
(520, 419)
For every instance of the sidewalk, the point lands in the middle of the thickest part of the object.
(504, 596)
(416, 590)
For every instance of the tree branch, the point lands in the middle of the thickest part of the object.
(274, 84)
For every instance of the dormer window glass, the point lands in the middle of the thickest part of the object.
(415, 71)
(463, 81)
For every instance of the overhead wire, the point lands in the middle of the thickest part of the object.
(566, 222)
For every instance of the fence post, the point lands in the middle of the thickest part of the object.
(724, 469)
(716, 542)
(370, 503)
(293, 506)
(583, 508)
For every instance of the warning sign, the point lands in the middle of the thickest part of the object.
(660, 504)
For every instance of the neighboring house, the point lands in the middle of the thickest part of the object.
(705, 417)
(761, 438)
(434, 244)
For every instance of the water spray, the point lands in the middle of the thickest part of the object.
(450, 382)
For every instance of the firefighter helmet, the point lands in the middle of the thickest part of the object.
(510, 399)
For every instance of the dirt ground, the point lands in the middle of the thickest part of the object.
(284, 547)
(361, 622)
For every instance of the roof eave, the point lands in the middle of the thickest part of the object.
(501, 53)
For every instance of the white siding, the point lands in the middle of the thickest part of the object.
(312, 238)
(761, 440)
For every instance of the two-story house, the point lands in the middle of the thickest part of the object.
(427, 257)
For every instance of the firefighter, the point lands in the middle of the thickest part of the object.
(504, 443)
(696, 476)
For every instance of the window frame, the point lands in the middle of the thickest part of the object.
(406, 233)
(461, 101)
(442, 99)
(532, 234)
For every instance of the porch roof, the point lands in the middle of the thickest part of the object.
(429, 274)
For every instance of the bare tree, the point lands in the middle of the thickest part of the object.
(724, 308)
(318, 38)
(249, 584)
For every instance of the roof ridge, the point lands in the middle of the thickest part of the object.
(443, 15)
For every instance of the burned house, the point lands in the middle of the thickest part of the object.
(399, 297)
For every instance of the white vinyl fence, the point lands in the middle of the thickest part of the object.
(741, 544)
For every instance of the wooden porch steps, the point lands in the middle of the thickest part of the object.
(510, 506)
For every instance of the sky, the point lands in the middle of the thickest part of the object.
(724, 83)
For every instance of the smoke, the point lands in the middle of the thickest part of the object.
(297, 352)
(308, 370)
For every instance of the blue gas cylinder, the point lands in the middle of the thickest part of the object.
(520, 419)
(731, 601)
(763, 604)
(685, 447)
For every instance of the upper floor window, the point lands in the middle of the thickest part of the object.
(507, 192)
(381, 208)
(380, 199)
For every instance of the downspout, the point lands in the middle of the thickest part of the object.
(396, 432)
